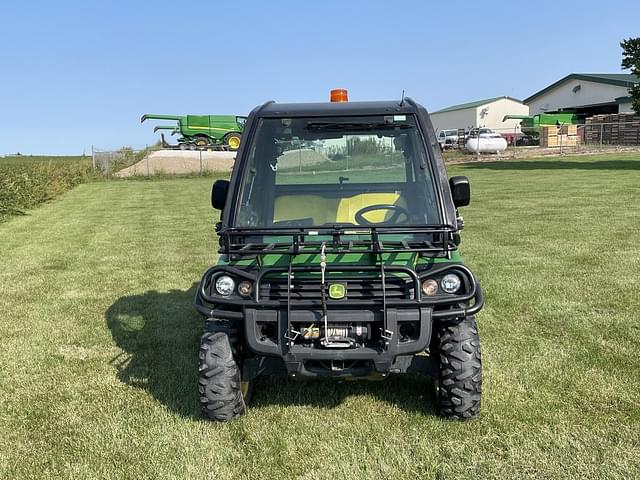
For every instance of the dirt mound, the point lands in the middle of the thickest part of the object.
(179, 161)
(295, 158)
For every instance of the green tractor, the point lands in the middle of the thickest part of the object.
(339, 258)
(204, 131)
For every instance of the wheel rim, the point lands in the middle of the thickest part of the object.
(200, 142)
(234, 142)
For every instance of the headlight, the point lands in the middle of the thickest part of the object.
(225, 285)
(430, 287)
(450, 283)
(245, 288)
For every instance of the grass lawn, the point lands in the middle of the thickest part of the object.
(99, 341)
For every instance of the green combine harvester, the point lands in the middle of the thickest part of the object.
(531, 125)
(203, 131)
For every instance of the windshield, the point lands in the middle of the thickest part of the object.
(326, 171)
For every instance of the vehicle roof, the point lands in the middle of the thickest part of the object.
(328, 109)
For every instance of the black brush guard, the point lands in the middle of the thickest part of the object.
(396, 356)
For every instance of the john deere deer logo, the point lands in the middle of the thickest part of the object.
(337, 291)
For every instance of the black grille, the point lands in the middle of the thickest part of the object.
(356, 289)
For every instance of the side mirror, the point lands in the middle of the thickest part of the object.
(460, 191)
(219, 194)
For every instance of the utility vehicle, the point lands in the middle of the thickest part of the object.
(339, 237)
(448, 138)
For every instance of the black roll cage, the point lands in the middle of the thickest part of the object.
(237, 241)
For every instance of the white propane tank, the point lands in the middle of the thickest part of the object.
(486, 143)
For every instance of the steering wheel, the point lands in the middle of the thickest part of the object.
(396, 209)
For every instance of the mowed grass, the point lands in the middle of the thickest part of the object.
(99, 341)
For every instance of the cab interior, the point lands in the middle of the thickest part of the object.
(269, 197)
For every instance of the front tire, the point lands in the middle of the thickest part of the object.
(232, 140)
(460, 382)
(223, 395)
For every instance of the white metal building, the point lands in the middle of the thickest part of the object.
(487, 113)
(585, 94)
(624, 105)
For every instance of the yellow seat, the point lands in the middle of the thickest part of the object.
(291, 207)
(334, 210)
(349, 206)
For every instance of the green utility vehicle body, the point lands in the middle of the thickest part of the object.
(339, 236)
(530, 125)
(203, 130)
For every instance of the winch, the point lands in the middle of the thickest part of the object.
(338, 335)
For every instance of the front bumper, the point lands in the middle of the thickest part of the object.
(297, 357)
(396, 355)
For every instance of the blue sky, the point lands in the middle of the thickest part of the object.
(81, 73)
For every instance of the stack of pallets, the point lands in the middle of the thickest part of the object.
(615, 129)
(557, 136)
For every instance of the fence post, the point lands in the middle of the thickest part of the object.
(200, 151)
(93, 158)
(601, 132)
(146, 154)
(515, 140)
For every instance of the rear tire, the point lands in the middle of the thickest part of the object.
(201, 141)
(222, 393)
(460, 385)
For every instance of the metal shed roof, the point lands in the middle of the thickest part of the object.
(619, 79)
(477, 103)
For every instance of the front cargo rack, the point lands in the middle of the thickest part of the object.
(438, 239)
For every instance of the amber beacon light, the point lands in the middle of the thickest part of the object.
(339, 95)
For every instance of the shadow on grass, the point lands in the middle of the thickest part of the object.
(554, 165)
(160, 331)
